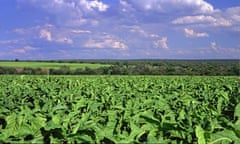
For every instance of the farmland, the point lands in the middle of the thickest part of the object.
(119, 109)
(49, 65)
(123, 67)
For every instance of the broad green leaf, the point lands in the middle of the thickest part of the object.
(149, 117)
(237, 111)
(134, 130)
(84, 139)
(119, 109)
(225, 136)
(219, 105)
(25, 130)
(200, 135)
(38, 122)
(182, 115)
(59, 107)
(152, 136)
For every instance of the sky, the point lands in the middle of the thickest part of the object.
(119, 29)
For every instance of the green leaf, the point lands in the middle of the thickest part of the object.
(237, 128)
(38, 122)
(59, 107)
(182, 115)
(84, 139)
(149, 117)
(237, 111)
(54, 140)
(134, 130)
(200, 135)
(224, 94)
(25, 130)
(219, 105)
(152, 137)
(225, 136)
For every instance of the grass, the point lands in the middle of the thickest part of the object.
(48, 65)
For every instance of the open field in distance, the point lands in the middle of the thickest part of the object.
(123, 67)
(50, 65)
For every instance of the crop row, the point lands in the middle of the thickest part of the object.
(119, 109)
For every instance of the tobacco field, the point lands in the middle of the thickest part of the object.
(120, 109)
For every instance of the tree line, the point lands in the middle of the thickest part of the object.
(211, 68)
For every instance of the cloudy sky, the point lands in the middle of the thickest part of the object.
(119, 29)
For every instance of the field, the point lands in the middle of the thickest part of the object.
(119, 109)
(122, 67)
(48, 65)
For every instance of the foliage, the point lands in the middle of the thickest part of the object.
(119, 109)
(125, 67)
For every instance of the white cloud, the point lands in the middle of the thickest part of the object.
(68, 9)
(125, 5)
(213, 45)
(14, 41)
(24, 49)
(64, 40)
(234, 14)
(55, 6)
(20, 31)
(132, 24)
(197, 6)
(96, 4)
(153, 35)
(76, 22)
(78, 31)
(141, 31)
(161, 43)
(210, 20)
(45, 34)
(19, 51)
(52, 34)
(107, 43)
(192, 33)
(118, 45)
(137, 29)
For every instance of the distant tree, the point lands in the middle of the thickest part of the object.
(89, 71)
(2, 70)
(64, 70)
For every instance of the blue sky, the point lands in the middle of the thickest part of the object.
(119, 29)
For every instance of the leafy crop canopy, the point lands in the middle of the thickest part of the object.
(118, 109)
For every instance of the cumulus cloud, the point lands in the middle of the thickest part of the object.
(68, 8)
(234, 14)
(54, 6)
(45, 34)
(152, 35)
(55, 36)
(107, 43)
(125, 5)
(137, 29)
(131, 23)
(161, 43)
(141, 31)
(213, 45)
(100, 6)
(197, 6)
(192, 33)
(210, 20)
